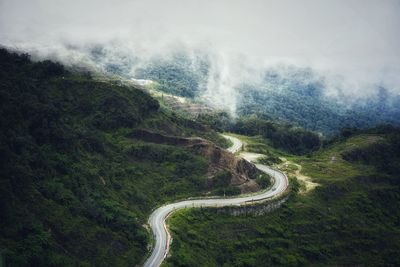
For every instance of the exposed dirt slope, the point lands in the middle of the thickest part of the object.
(243, 172)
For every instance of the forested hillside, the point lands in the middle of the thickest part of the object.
(350, 218)
(284, 136)
(298, 97)
(189, 133)
(75, 187)
(288, 94)
(178, 75)
(291, 139)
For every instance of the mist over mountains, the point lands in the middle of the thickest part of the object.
(290, 93)
(287, 93)
(319, 65)
(293, 94)
(283, 113)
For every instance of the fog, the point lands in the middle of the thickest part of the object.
(353, 44)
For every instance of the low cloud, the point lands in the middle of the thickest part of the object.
(354, 44)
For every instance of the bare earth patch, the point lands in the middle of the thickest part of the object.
(287, 166)
(295, 169)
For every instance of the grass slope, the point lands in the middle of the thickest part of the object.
(351, 219)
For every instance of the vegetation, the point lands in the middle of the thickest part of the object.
(351, 219)
(177, 75)
(220, 120)
(170, 123)
(298, 96)
(75, 189)
(264, 180)
(290, 95)
(293, 95)
(383, 153)
(269, 160)
(289, 138)
(294, 140)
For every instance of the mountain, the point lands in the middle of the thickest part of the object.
(85, 157)
(344, 211)
(284, 93)
(84, 160)
(178, 75)
(298, 96)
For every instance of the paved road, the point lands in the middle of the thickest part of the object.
(157, 218)
(236, 144)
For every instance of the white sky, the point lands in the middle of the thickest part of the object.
(359, 39)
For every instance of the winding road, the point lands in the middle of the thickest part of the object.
(236, 144)
(157, 219)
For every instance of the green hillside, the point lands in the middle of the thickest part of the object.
(350, 219)
(77, 185)
(75, 189)
(287, 93)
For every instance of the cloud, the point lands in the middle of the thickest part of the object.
(355, 43)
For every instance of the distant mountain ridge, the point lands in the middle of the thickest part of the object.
(300, 100)
(285, 93)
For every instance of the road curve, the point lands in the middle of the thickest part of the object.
(158, 217)
(236, 144)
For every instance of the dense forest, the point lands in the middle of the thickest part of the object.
(289, 138)
(291, 94)
(75, 187)
(298, 97)
(294, 140)
(199, 133)
(177, 75)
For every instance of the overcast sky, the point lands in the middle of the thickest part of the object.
(357, 38)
